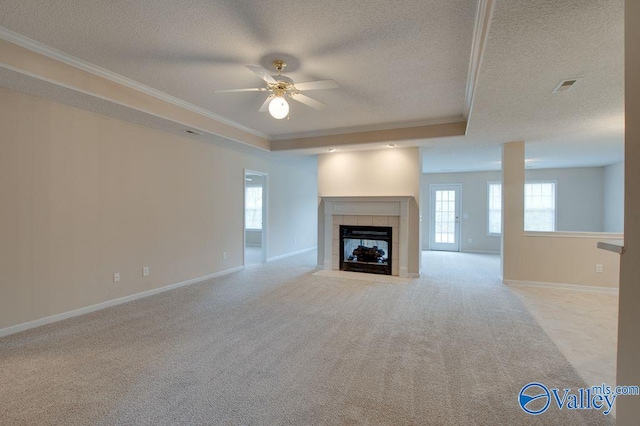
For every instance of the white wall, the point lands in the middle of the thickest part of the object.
(474, 204)
(292, 202)
(613, 220)
(84, 196)
(579, 194)
(379, 173)
(580, 202)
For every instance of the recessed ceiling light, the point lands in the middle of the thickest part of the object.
(332, 150)
(391, 145)
(193, 132)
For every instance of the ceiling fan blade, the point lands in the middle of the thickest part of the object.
(308, 101)
(265, 105)
(253, 89)
(262, 73)
(317, 85)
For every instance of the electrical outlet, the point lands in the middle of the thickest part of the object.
(598, 268)
(116, 277)
(145, 271)
(224, 254)
(470, 240)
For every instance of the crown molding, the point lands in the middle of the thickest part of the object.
(370, 128)
(58, 55)
(399, 134)
(484, 12)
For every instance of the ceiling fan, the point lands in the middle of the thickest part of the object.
(281, 87)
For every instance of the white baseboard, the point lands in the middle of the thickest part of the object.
(293, 253)
(87, 309)
(561, 286)
(469, 251)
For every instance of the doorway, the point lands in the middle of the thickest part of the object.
(255, 217)
(444, 217)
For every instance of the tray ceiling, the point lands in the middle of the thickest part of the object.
(398, 64)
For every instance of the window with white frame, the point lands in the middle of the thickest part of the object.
(495, 208)
(253, 207)
(539, 206)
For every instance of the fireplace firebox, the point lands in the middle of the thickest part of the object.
(365, 249)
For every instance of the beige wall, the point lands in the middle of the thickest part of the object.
(567, 260)
(628, 408)
(384, 172)
(562, 258)
(48, 69)
(512, 209)
(84, 196)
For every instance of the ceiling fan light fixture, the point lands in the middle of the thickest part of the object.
(279, 108)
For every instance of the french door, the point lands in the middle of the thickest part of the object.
(444, 217)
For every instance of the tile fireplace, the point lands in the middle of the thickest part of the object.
(375, 230)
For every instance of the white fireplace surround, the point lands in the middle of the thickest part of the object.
(367, 206)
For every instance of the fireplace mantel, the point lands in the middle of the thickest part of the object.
(368, 206)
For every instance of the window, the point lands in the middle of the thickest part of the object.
(495, 208)
(253, 207)
(539, 206)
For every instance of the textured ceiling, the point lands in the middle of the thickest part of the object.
(531, 47)
(398, 64)
(395, 61)
(590, 149)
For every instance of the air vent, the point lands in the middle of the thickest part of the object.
(193, 132)
(565, 85)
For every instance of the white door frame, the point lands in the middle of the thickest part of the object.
(432, 190)
(265, 176)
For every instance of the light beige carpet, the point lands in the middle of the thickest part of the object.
(274, 344)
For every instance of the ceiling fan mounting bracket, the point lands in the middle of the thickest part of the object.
(279, 65)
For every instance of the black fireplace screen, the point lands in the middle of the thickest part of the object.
(365, 249)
